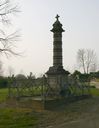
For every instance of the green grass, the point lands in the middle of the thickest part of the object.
(17, 118)
(94, 92)
(31, 91)
(26, 118)
(3, 94)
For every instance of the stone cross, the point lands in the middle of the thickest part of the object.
(57, 16)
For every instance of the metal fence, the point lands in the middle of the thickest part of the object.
(19, 88)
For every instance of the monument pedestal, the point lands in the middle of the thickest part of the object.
(57, 79)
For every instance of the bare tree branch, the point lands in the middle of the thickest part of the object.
(81, 58)
(6, 9)
(86, 58)
(7, 42)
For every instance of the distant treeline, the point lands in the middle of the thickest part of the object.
(84, 76)
(3, 82)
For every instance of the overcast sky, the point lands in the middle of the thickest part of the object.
(80, 19)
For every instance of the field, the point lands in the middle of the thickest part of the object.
(3, 94)
(79, 114)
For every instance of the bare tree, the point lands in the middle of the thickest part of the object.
(86, 58)
(7, 9)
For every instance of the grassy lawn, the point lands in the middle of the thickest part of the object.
(17, 118)
(27, 118)
(3, 94)
(95, 92)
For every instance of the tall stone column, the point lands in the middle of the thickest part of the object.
(57, 43)
(56, 74)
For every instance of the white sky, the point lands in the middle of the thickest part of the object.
(80, 19)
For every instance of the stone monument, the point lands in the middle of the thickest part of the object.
(56, 74)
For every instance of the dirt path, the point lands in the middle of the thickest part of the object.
(81, 123)
(83, 114)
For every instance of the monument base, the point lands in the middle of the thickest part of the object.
(57, 79)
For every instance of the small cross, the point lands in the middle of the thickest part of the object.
(57, 16)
